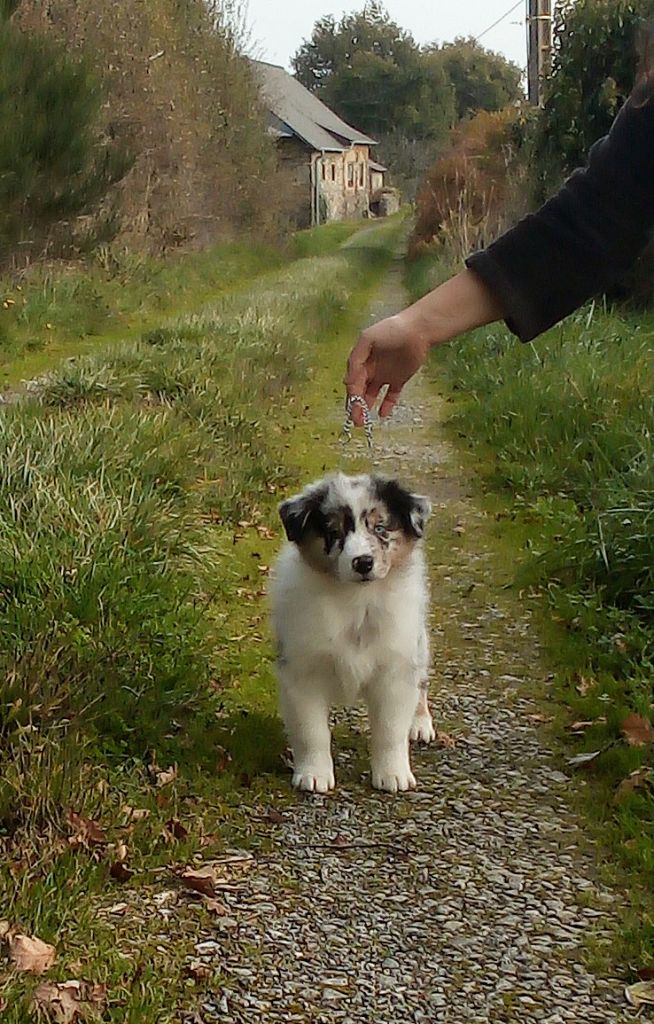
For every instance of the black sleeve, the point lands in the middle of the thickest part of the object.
(586, 238)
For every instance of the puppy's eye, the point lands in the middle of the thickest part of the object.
(381, 530)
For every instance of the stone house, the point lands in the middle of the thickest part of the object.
(328, 164)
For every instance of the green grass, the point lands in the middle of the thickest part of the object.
(137, 523)
(561, 435)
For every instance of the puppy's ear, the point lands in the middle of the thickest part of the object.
(410, 510)
(301, 514)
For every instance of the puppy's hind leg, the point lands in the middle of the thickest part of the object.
(306, 717)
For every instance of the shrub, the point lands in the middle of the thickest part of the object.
(55, 162)
(469, 193)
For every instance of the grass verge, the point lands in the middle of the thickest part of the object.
(138, 491)
(561, 436)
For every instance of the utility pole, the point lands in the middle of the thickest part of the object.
(539, 47)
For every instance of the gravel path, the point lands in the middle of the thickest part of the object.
(473, 899)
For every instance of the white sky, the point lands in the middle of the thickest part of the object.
(279, 26)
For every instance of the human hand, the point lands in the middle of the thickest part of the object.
(386, 354)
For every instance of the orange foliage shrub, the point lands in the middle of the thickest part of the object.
(469, 195)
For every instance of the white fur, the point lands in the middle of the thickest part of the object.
(341, 640)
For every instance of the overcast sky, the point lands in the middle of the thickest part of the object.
(279, 26)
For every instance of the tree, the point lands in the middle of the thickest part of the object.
(593, 72)
(375, 76)
(481, 79)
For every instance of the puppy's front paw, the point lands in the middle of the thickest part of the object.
(422, 729)
(393, 777)
(314, 779)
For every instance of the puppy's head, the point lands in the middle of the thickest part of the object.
(356, 529)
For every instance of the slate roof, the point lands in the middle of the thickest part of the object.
(296, 111)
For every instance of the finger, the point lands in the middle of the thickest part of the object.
(391, 398)
(356, 376)
(372, 393)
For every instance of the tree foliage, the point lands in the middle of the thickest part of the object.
(375, 76)
(481, 78)
(594, 67)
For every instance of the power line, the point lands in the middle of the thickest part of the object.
(499, 20)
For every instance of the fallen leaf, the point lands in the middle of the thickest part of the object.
(640, 994)
(197, 971)
(69, 1001)
(580, 759)
(538, 718)
(135, 813)
(443, 739)
(202, 880)
(162, 778)
(216, 907)
(637, 731)
(646, 973)
(273, 817)
(120, 872)
(5, 928)
(121, 852)
(176, 829)
(585, 685)
(31, 954)
(87, 832)
(580, 726)
(637, 780)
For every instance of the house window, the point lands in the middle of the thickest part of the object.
(350, 175)
(324, 171)
(362, 175)
(333, 172)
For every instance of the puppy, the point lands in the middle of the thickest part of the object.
(349, 603)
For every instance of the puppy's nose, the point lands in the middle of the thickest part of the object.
(363, 564)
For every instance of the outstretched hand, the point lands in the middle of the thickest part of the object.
(391, 351)
(386, 355)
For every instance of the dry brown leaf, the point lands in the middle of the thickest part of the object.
(637, 730)
(135, 813)
(216, 907)
(637, 780)
(580, 726)
(443, 739)
(163, 778)
(640, 994)
(70, 1001)
(120, 872)
(5, 928)
(538, 717)
(202, 880)
(86, 831)
(121, 852)
(198, 971)
(646, 973)
(176, 829)
(585, 685)
(31, 954)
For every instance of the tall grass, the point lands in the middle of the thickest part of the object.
(122, 479)
(562, 435)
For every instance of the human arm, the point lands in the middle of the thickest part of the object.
(578, 244)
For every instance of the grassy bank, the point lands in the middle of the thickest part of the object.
(561, 434)
(138, 494)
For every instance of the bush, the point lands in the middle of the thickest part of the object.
(55, 163)
(184, 100)
(469, 193)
